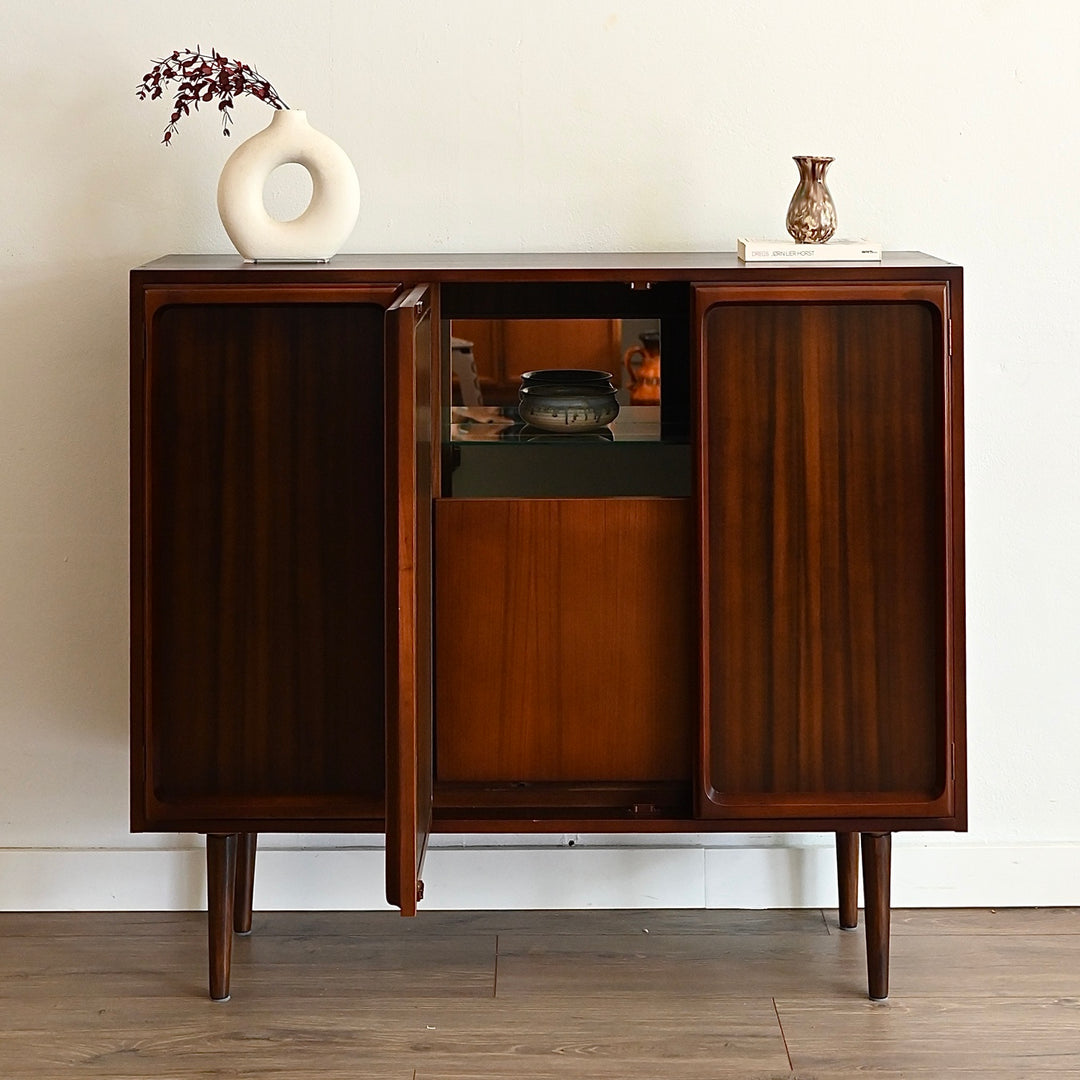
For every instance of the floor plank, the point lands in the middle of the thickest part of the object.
(55, 924)
(986, 965)
(987, 921)
(454, 966)
(933, 1037)
(351, 924)
(975, 920)
(613, 1035)
(684, 964)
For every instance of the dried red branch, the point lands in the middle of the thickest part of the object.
(202, 78)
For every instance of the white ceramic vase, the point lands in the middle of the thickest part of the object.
(318, 233)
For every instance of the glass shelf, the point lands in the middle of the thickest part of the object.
(491, 454)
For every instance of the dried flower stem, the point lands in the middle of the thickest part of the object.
(202, 78)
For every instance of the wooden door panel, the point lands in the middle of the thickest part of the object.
(263, 565)
(563, 640)
(826, 556)
(412, 479)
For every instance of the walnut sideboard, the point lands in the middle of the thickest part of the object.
(363, 599)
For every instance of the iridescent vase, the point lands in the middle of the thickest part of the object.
(811, 214)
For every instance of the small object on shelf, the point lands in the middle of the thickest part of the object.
(567, 408)
(567, 400)
(811, 214)
(645, 372)
(582, 378)
(790, 251)
(463, 368)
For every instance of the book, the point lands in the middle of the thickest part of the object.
(789, 251)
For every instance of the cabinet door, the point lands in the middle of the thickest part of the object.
(829, 488)
(258, 556)
(411, 481)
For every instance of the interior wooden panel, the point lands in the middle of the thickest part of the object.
(504, 349)
(564, 633)
(266, 553)
(826, 548)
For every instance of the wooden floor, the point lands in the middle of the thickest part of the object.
(528, 995)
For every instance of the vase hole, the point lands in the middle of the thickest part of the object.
(287, 192)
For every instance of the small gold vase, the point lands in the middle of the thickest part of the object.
(811, 214)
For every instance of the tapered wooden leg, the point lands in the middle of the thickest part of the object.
(245, 881)
(221, 900)
(877, 860)
(847, 877)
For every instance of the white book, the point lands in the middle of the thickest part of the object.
(789, 251)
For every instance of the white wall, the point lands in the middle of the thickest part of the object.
(564, 125)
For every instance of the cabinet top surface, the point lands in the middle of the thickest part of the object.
(545, 265)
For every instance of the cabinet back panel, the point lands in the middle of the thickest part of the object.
(504, 349)
(563, 640)
(826, 550)
(266, 577)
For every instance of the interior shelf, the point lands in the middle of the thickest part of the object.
(492, 454)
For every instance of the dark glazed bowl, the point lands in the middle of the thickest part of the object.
(579, 377)
(567, 409)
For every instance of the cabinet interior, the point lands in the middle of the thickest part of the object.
(595, 622)
(489, 453)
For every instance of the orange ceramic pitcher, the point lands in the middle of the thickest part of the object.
(643, 363)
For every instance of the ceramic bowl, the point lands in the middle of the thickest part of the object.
(569, 409)
(580, 377)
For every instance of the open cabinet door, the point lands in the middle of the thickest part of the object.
(410, 464)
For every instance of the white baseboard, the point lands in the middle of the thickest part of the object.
(955, 874)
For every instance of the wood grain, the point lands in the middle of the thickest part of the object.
(847, 879)
(411, 404)
(602, 1034)
(264, 639)
(826, 549)
(563, 640)
(693, 965)
(178, 926)
(982, 921)
(877, 883)
(934, 1037)
(220, 915)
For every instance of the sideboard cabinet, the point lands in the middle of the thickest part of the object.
(363, 599)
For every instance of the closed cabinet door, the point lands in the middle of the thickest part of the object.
(258, 556)
(829, 488)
